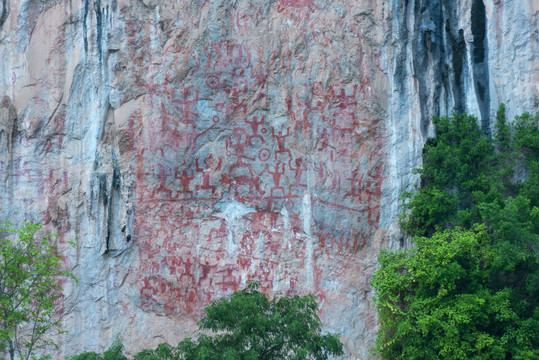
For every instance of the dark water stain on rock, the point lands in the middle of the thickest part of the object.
(480, 62)
(84, 26)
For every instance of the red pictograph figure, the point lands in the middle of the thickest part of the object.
(280, 142)
(237, 89)
(242, 180)
(295, 220)
(322, 239)
(303, 125)
(369, 191)
(321, 98)
(217, 236)
(59, 128)
(234, 104)
(297, 4)
(189, 135)
(243, 57)
(206, 173)
(356, 181)
(247, 247)
(366, 88)
(188, 271)
(334, 128)
(259, 69)
(335, 177)
(209, 55)
(231, 108)
(178, 267)
(360, 240)
(185, 103)
(166, 221)
(258, 224)
(323, 143)
(151, 86)
(207, 267)
(162, 188)
(212, 81)
(221, 60)
(235, 146)
(276, 174)
(343, 126)
(185, 180)
(344, 101)
(255, 123)
(222, 50)
(170, 135)
(151, 285)
(320, 170)
(228, 280)
(45, 144)
(298, 171)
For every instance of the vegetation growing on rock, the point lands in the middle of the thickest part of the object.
(247, 325)
(469, 287)
(31, 276)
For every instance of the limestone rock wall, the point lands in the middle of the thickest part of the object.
(188, 146)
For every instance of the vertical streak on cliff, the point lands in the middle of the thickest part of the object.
(84, 25)
(457, 47)
(404, 153)
(99, 27)
(456, 65)
(430, 68)
(401, 44)
(8, 127)
(115, 243)
(480, 61)
(439, 58)
(4, 11)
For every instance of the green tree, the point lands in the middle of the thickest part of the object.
(470, 292)
(31, 274)
(114, 352)
(162, 352)
(248, 325)
(436, 301)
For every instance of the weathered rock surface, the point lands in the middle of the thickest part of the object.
(190, 146)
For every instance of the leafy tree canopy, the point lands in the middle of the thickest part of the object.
(247, 325)
(114, 352)
(436, 302)
(466, 177)
(31, 274)
(469, 288)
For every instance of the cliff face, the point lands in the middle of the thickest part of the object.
(190, 146)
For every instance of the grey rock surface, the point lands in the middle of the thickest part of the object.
(190, 146)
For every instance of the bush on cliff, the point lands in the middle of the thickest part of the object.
(31, 274)
(469, 288)
(114, 352)
(247, 325)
